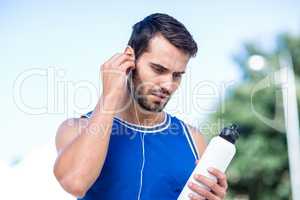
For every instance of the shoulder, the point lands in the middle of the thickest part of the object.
(199, 139)
(68, 130)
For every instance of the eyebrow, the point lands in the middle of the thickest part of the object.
(164, 68)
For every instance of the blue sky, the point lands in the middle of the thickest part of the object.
(76, 37)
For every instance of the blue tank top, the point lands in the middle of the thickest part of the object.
(145, 162)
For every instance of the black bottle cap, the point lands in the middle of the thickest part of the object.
(230, 133)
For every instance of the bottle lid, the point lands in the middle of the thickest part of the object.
(230, 133)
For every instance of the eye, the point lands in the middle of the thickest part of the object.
(177, 76)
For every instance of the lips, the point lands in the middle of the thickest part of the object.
(160, 95)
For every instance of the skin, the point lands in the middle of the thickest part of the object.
(136, 90)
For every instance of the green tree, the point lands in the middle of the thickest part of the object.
(260, 169)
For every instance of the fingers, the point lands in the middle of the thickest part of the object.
(117, 62)
(196, 197)
(128, 55)
(126, 65)
(201, 192)
(113, 57)
(121, 61)
(123, 58)
(222, 179)
(212, 185)
(108, 64)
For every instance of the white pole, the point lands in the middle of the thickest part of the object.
(288, 88)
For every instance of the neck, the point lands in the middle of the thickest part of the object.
(137, 115)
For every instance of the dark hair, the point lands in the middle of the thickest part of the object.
(170, 28)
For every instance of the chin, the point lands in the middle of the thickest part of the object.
(157, 108)
(151, 106)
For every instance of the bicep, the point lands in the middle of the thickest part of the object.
(68, 131)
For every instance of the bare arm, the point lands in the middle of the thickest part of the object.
(82, 143)
(82, 146)
(199, 140)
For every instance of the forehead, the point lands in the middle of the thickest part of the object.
(161, 51)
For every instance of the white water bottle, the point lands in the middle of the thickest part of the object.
(217, 154)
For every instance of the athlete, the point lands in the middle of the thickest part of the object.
(128, 147)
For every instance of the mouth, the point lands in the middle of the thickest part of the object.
(160, 96)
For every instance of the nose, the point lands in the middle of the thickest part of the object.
(168, 87)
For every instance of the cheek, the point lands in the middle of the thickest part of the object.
(145, 72)
(141, 84)
(146, 80)
(177, 84)
(174, 88)
(148, 76)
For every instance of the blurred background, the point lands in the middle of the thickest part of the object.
(51, 52)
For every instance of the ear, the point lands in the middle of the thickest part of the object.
(129, 50)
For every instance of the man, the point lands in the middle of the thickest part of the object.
(128, 147)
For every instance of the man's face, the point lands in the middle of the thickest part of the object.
(158, 74)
